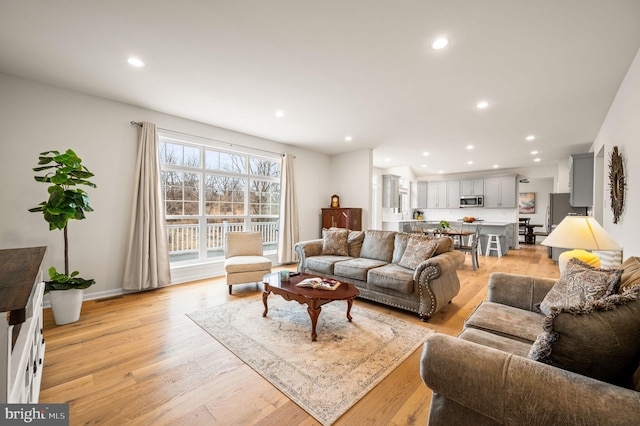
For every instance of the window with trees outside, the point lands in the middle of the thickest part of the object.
(209, 191)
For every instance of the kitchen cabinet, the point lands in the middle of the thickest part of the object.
(437, 195)
(443, 195)
(453, 194)
(500, 192)
(21, 339)
(391, 191)
(349, 218)
(581, 180)
(472, 187)
(418, 194)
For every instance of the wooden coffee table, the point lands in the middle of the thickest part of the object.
(313, 298)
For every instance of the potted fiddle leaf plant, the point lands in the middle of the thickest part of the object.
(64, 173)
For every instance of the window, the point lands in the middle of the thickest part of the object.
(209, 191)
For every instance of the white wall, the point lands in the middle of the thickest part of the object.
(350, 178)
(621, 128)
(36, 117)
(541, 187)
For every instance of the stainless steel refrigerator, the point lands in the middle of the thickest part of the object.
(557, 210)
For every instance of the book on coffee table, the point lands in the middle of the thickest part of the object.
(319, 283)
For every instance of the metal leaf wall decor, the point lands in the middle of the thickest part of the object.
(616, 184)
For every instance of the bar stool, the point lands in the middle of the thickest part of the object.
(493, 243)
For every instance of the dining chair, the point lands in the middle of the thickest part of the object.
(472, 248)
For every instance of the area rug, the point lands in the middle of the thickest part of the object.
(325, 377)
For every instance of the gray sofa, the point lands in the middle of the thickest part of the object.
(515, 365)
(375, 262)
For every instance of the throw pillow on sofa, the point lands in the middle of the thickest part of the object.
(630, 274)
(334, 242)
(580, 283)
(418, 250)
(597, 338)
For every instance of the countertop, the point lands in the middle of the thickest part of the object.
(488, 223)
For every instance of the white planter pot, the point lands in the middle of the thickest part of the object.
(66, 305)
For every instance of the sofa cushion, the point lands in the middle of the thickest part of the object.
(399, 245)
(334, 242)
(237, 264)
(580, 283)
(378, 245)
(356, 268)
(418, 250)
(506, 321)
(502, 343)
(324, 264)
(354, 243)
(598, 338)
(392, 277)
(630, 274)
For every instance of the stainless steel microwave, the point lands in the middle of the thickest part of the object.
(471, 201)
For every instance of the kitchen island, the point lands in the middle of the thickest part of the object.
(508, 231)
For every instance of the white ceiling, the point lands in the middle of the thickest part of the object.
(347, 67)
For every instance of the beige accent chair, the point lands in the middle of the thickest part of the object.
(244, 262)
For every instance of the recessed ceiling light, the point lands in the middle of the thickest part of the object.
(136, 62)
(495, 166)
(441, 171)
(469, 147)
(387, 159)
(536, 160)
(534, 152)
(425, 154)
(439, 43)
(424, 166)
(279, 113)
(482, 104)
(530, 138)
(469, 162)
(348, 138)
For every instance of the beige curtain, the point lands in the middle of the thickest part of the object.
(147, 256)
(288, 231)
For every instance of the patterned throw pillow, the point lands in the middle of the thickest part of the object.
(334, 242)
(580, 283)
(418, 250)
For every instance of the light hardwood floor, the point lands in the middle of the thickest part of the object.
(138, 359)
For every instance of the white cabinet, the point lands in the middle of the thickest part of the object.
(418, 194)
(453, 194)
(391, 191)
(472, 187)
(443, 195)
(437, 195)
(500, 192)
(581, 180)
(21, 339)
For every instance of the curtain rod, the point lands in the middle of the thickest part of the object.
(139, 124)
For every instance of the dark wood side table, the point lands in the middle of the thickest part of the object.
(313, 298)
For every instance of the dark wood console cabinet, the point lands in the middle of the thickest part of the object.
(350, 218)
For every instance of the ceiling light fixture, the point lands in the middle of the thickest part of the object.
(348, 138)
(469, 147)
(482, 104)
(135, 62)
(279, 113)
(425, 154)
(537, 160)
(469, 162)
(424, 166)
(534, 152)
(530, 138)
(439, 43)
(495, 166)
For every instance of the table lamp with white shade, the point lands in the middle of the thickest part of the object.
(580, 233)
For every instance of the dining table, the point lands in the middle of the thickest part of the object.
(529, 234)
(457, 235)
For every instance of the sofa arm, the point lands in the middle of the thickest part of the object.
(306, 249)
(514, 390)
(519, 291)
(437, 282)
